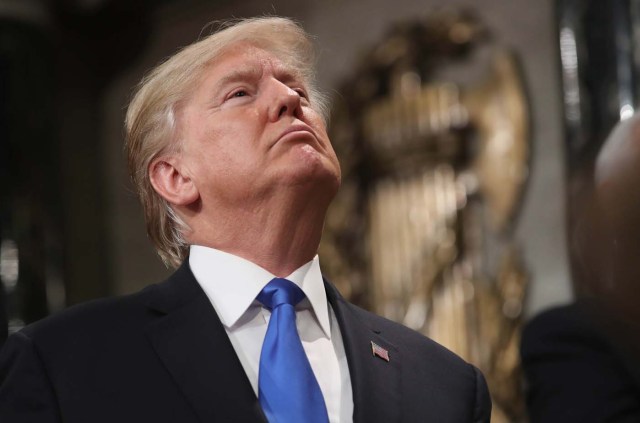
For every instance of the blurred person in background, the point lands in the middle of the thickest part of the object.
(582, 361)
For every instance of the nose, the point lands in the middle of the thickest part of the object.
(284, 101)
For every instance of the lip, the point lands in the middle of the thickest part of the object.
(295, 129)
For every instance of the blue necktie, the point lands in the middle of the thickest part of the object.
(287, 388)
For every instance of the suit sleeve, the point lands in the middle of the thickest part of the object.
(26, 393)
(482, 408)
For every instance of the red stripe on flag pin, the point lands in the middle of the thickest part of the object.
(377, 350)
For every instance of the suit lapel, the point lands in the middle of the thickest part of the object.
(194, 347)
(374, 381)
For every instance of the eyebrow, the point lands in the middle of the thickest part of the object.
(287, 74)
(238, 75)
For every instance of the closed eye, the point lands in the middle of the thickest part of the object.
(302, 93)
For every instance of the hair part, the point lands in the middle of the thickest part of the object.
(152, 119)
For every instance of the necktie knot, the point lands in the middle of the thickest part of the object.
(280, 291)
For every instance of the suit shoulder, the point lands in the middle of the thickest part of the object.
(412, 341)
(456, 388)
(566, 327)
(96, 316)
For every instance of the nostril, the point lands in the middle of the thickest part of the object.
(282, 111)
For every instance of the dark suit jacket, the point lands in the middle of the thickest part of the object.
(162, 355)
(576, 371)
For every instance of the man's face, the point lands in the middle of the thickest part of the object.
(249, 129)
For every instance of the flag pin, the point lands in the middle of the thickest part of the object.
(377, 350)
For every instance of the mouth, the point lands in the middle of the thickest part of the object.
(296, 132)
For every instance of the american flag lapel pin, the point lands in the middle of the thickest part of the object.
(377, 350)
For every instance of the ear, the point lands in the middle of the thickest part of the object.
(171, 182)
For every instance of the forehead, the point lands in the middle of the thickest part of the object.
(244, 60)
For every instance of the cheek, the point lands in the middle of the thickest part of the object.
(314, 120)
(228, 154)
(214, 141)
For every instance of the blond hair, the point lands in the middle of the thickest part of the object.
(151, 121)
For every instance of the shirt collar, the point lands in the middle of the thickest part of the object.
(232, 283)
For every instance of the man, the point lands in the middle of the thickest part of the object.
(582, 361)
(228, 148)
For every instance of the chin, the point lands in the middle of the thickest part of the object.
(305, 166)
(313, 178)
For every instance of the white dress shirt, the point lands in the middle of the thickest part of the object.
(232, 285)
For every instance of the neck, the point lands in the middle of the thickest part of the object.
(279, 235)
